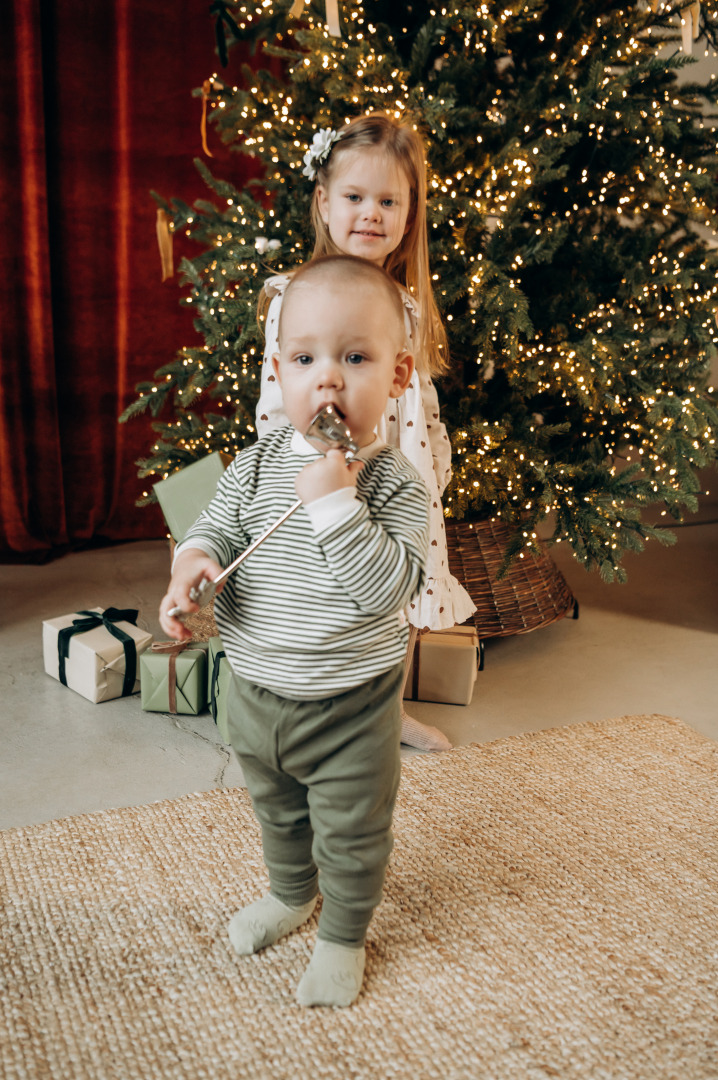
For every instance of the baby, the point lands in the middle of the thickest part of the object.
(312, 622)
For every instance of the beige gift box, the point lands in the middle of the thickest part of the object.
(95, 662)
(444, 666)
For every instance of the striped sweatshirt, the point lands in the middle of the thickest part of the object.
(318, 607)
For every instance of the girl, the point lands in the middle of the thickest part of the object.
(370, 200)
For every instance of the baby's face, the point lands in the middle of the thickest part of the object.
(341, 344)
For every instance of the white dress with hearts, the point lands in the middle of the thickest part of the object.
(412, 423)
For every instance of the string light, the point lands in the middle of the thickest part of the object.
(613, 167)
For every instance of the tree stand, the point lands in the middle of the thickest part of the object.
(531, 594)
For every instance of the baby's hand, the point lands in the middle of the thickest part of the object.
(329, 473)
(190, 567)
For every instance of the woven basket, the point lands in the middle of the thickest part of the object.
(533, 592)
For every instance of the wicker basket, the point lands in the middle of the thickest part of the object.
(533, 592)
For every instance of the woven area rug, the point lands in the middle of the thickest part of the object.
(551, 911)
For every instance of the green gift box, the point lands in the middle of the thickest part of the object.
(186, 493)
(173, 677)
(219, 677)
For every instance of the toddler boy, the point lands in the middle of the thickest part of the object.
(312, 621)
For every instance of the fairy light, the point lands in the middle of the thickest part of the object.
(628, 376)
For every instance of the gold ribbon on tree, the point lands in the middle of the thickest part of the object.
(164, 242)
(206, 88)
(332, 15)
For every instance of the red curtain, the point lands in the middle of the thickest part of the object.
(96, 110)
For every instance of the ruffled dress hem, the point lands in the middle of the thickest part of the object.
(441, 604)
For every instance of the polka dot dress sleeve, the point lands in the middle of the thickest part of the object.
(412, 423)
(438, 438)
(270, 407)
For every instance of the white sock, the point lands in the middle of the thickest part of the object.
(334, 975)
(414, 733)
(264, 922)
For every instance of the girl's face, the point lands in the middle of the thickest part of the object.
(365, 206)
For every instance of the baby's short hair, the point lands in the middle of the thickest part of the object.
(353, 271)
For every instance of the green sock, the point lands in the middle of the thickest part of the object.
(264, 922)
(334, 975)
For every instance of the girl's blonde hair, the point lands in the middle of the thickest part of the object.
(408, 264)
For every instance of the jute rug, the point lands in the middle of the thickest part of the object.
(551, 911)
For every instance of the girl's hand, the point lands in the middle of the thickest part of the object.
(190, 567)
(329, 473)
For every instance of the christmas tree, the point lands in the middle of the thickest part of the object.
(573, 187)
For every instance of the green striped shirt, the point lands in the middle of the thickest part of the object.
(318, 607)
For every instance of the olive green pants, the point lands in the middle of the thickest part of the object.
(323, 777)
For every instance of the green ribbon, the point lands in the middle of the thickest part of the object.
(107, 618)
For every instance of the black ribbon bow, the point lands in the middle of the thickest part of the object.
(106, 618)
(219, 656)
(219, 8)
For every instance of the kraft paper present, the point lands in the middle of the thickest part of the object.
(219, 677)
(444, 666)
(185, 494)
(174, 677)
(95, 651)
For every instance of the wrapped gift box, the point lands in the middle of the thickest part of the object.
(174, 677)
(219, 677)
(185, 494)
(95, 651)
(444, 666)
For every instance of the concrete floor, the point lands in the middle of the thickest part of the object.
(650, 646)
